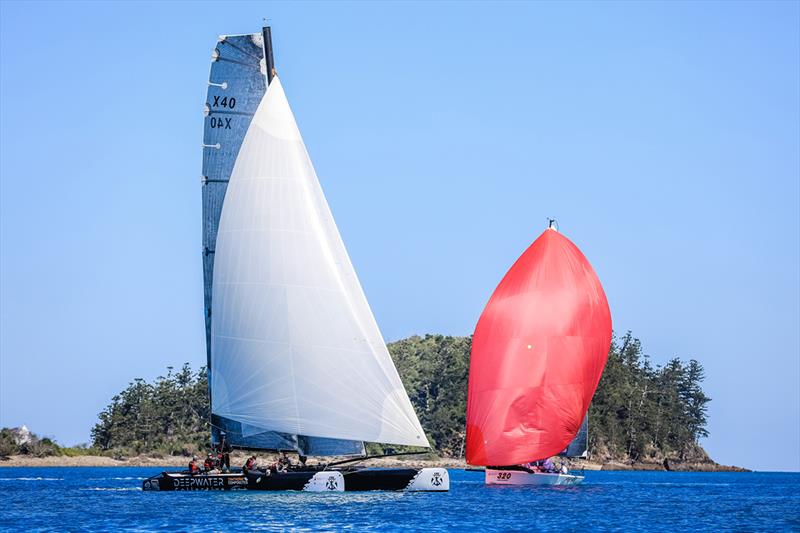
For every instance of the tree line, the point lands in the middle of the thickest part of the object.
(644, 412)
(169, 415)
(640, 412)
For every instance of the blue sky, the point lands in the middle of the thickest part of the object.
(665, 137)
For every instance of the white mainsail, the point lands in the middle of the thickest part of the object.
(295, 347)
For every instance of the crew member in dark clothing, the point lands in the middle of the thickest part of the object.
(283, 463)
(303, 460)
(224, 453)
(210, 463)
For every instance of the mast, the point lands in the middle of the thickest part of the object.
(268, 59)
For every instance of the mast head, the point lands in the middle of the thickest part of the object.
(552, 224)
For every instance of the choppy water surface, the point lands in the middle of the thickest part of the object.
(103, 499)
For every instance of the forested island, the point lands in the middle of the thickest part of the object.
(642, 414)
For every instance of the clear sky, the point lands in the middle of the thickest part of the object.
(664, 137)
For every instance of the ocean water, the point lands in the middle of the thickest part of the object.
(106, 499)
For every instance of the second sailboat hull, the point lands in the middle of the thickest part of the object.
(519, 477)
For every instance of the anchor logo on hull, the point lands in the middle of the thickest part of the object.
(332, 484)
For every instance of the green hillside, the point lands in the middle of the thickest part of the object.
(640, 411)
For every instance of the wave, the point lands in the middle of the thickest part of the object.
(111, 489)
(116, 478)
(31, 479)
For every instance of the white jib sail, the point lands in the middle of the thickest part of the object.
(295, 347)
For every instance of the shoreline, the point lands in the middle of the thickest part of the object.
(386, 462)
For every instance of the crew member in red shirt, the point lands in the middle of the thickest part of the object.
(194, 468)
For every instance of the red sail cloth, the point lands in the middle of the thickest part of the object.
(538, 352)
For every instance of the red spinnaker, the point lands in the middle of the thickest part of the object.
(538, 352)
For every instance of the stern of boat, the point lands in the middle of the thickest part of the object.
(430, 480)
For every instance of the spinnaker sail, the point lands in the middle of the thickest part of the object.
(538, 352)
(295, 348)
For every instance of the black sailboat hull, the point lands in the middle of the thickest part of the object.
(181, 481)
(361, 479)
(311, 480)
(308, 480)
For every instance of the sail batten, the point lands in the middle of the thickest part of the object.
(295, 347)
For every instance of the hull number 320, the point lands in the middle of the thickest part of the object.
(503, 475)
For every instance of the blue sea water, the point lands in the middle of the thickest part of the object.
(106, 499)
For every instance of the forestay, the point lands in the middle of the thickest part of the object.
(295, 347)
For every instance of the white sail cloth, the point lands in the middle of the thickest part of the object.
(295, 347)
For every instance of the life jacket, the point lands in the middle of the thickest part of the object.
(209, 463)
(250, 464)
(193, 468)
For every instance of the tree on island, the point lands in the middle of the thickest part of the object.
(639, 412)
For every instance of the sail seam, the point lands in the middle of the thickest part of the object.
(249, 65)
(241, 113)
(274, 285)
(262, 230)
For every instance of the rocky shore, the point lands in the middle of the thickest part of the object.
(386, 462)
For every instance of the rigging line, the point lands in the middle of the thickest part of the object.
(228, 431)
(242, 50)
(248, 65)
(242, 113)
(365, 457)
(224, 430)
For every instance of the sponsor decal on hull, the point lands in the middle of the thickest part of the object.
(332, 483)
(194, 483)
(517, 477)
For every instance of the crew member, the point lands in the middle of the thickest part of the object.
(194, 468)
(283, 463)
(250, 465)
(224, 452)
(210, 463)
